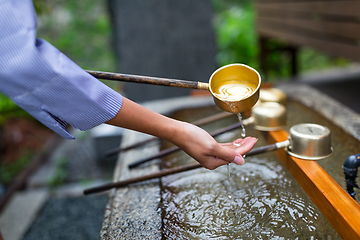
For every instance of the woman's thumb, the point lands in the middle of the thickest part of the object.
(230, 155)
(239, 160)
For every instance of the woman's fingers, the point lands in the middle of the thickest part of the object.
(229, 152)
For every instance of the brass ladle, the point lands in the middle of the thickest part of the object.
(234, 87)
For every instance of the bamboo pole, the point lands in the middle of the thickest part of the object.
(166, 172)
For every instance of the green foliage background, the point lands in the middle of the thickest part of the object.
(236, 35)
(82, 30)
(237, 41)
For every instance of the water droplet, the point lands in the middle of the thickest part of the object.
(243, 132)
(230, 182)
(232, 106)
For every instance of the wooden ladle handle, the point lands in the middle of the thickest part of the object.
(149, 80)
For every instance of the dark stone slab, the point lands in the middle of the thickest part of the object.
(345, 91)
(160, 38)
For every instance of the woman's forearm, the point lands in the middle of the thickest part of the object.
(138, 118)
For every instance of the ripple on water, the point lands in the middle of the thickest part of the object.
(196, 205)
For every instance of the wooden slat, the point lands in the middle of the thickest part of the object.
(333, 201)
(335, 8)
(298, 1)
(298, 38)
(344, 29)
(330, 26)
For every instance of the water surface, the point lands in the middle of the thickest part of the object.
(266, 201)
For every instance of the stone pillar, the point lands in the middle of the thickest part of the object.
(163, 38)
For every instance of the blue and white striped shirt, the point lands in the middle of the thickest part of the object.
(43, 81)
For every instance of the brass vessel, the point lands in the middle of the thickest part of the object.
(235, 74)
(310, 141)
(269, 116)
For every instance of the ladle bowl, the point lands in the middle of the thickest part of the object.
(269, 116)
(235, 87)
(272, 95)
(309, 141)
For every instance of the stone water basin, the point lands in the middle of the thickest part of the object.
(266, 202)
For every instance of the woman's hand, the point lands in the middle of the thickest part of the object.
(202, 147)
(193, 140)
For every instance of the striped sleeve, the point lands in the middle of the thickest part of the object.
(43, 81)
